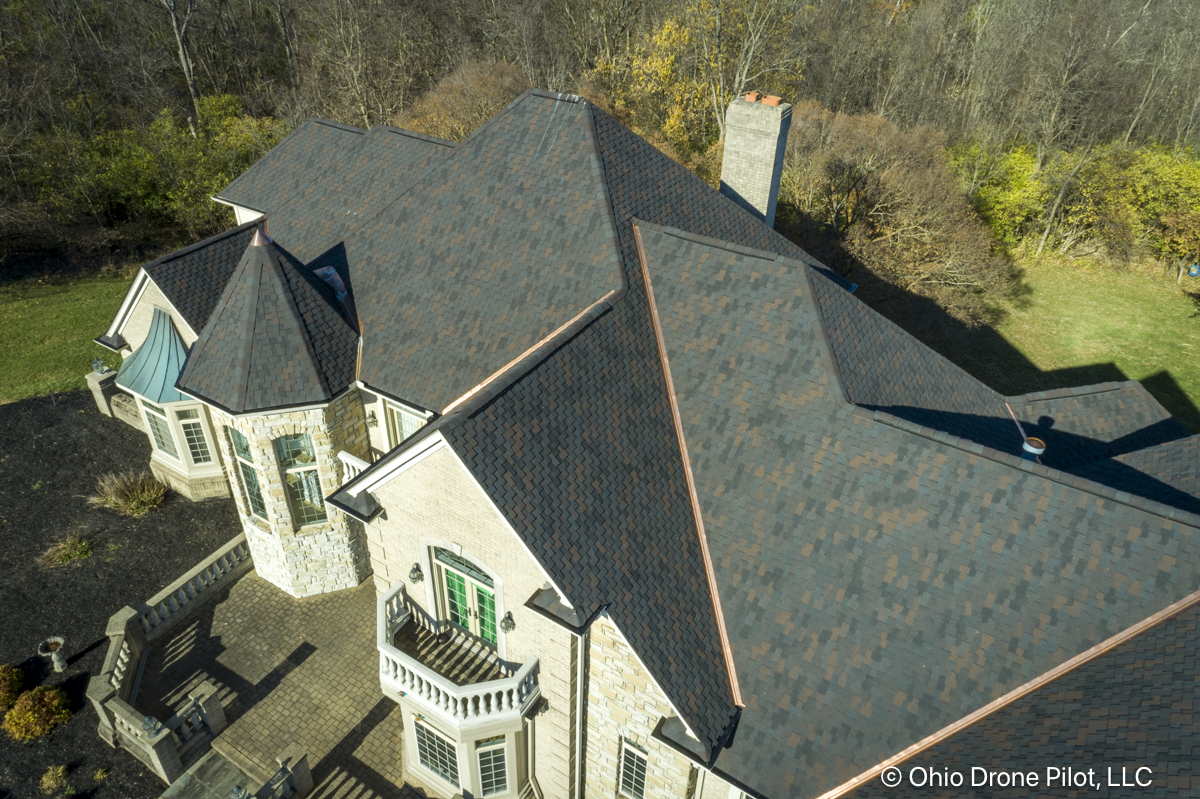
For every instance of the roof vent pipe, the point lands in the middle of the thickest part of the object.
(1032, 448)
(756, 130)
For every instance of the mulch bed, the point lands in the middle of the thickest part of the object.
(50, 457)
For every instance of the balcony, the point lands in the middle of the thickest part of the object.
(464, 686)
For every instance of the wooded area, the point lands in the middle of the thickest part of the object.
(932, 138)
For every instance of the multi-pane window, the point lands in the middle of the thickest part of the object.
(245, 462)
(193, 432)
(470, 594)
(436, 753)
(402, 423)
(299, 464)
(493, 767)
(160, 429)
(633, 771)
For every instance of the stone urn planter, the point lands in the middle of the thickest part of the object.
(52, 648)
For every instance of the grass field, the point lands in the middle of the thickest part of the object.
(1079, 325)
(47, 326)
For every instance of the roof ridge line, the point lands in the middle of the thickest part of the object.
(281, 263)
(245, 323)
(1020, 692)
(709, 241)
(1086, 485)
(412, 134)
(605, 197)
(315, 121)
(690, 478)
(182, 251)
(1106, 387)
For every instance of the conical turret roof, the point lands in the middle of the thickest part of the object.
(276, 338)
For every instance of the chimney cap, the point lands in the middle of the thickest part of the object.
(752, 97)
(771, 99)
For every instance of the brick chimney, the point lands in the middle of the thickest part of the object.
(756, 129)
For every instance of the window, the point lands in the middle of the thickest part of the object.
(468, 593)
(633, 771)
(436, 753)
(193, 432)
(160, 429)
(299, 464)
(493, 767)
(245, 462)
(402, 422)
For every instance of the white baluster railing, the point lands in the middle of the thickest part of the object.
(351, 466)
(402, 675)
(231, 559)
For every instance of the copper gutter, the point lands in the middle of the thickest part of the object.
(726, 647)
(1100, 649)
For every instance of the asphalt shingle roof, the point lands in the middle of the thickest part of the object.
(277, 338)
(292, 164)
(380, 167)
(883, 366)
(879, 584)
(1137, 705)
(192, 279)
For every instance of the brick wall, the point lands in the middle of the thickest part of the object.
(624, 703)
(315, 558)
(439, 499)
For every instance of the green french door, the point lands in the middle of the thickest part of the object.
(469, 595)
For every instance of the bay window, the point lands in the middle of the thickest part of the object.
(436, 753)
(193, 434)
(493, 765)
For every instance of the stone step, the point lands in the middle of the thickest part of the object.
(210, 777)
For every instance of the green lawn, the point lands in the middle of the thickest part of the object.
(1077, 326)
(47, 327)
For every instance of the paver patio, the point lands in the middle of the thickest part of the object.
(289, 670)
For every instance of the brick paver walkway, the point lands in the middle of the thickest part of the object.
(289, 670)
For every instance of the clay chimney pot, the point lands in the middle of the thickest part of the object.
(752, 97)
(771, 99)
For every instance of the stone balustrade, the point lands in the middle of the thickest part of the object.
(293, 780)
(461, 706)
(351, 466)
(178, 599)
(165, 747)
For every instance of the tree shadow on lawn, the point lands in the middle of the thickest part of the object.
(980, 351)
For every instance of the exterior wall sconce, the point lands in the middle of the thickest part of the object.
(507, 624)
(416, 575)
(372, 419)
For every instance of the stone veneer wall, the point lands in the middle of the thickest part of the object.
(623, 702)
(438, 498)
(316, 558)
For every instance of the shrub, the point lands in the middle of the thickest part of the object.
(129, 493)
(36, 713)
(889, 197)
(54, 780)
(11, 681)
(69, 550)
